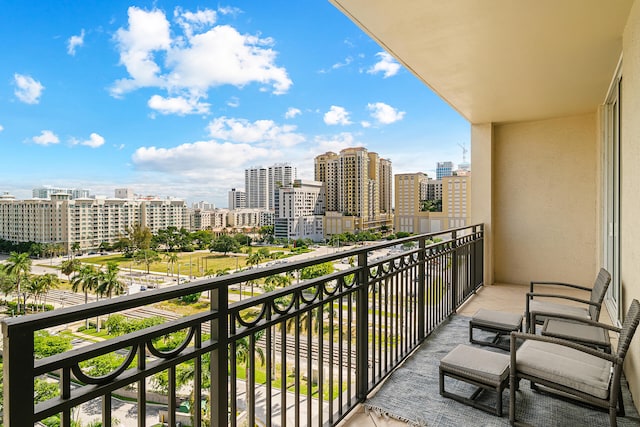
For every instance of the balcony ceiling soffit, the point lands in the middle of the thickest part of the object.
(502, 60)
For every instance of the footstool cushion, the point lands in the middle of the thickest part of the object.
(499, 322)
(485, 369)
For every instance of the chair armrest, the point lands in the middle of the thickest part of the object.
(515, 336)
(568, 285)
(530, 296)
(577, 319)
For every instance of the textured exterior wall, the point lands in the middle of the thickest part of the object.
(545, 205)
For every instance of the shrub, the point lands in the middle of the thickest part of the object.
(191, 298)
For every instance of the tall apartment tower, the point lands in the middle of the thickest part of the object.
(237, 199)
(326, 171)
(411, 214)
(279, 175)
(357, 184)
(386, 186)
(300, 211)
(256, 188)
(444, 169)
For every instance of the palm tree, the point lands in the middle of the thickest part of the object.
(75, 247)
(172, 258)
(185, 374)
(19, 266)
(69, 266)
(6, 281)
(110, 281)
(45, 283)
(255, 258)
(85, 280)
(243, 353)
(277, 280)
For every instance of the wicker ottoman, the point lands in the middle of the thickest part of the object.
(485, 369)
(498, 322)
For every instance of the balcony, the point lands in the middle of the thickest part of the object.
(325, 343)
(318, 347)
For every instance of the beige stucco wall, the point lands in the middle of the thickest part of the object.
(482, 190)
(630, 187)
(545, 205)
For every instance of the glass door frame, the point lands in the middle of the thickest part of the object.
(611, 167)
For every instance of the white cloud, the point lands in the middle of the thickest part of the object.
(385, 114)
(148, 32)
(387, 65)
(177, 105)
(28, 90)
(46, 137)
(337, 116)
(233, 102)
(365, 124)
(1, 128)
(200, 157)
(292, 112)
(190, 21)
(265, 132)
(193, 56)
(74, 42)
(348, 60)
(94, 141)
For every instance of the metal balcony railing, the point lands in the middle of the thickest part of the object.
(305, 354)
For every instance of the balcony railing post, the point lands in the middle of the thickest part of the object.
(421, 288)
(454, 270)
(362, 330)
(219, 357)
(18, 376)
(479, 255)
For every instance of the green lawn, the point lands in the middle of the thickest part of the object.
(189, 263)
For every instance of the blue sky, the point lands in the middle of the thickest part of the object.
(178, 98)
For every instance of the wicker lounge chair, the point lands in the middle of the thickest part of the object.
(590, 308)
(574, 370)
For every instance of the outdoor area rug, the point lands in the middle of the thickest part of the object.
(411, 393)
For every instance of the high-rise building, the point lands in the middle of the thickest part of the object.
(326, 171)
(86, 221)
(279, 175)
(411, 208)
(300, 210)
(237, 199)
(444, 169)
(256, 188)
(202, 205)
(358, 190)
(249, 219)
(47, 191)
(124, 193)
(434, 190)
(208, 219)
(386, 186)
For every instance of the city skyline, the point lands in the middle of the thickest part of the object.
(150, 96)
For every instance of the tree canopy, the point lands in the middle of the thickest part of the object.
(224, 244)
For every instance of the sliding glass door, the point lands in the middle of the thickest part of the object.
(611, 193)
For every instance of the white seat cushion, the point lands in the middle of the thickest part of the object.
(566, 366)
